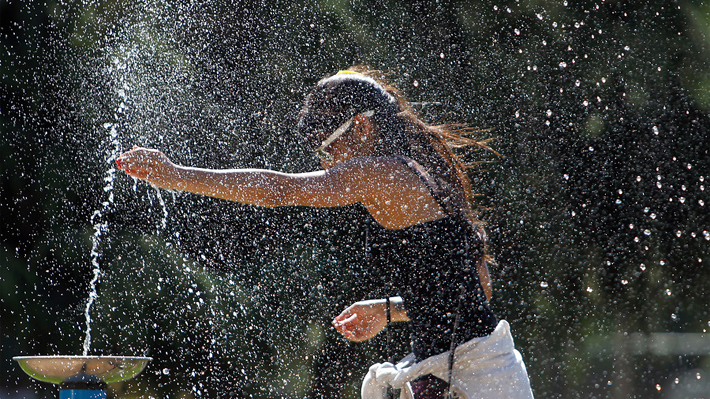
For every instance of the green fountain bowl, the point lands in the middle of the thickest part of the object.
(56, 369)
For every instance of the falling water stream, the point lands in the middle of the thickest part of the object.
(112, 142)
(100, 227)
(98, 218)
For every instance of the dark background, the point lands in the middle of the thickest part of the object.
(597, 210)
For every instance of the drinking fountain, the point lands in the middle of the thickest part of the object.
(82, 377)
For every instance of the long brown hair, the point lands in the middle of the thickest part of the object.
(339, 97)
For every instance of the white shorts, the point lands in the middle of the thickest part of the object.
(484, 368)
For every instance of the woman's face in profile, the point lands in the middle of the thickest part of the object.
(357, 139)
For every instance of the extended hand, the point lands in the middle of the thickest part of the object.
(149, 165)
(362, 320)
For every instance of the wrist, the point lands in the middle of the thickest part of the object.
(372, 303)
(397, 309)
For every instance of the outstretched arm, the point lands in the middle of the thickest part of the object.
(251, 186)
(365, 319)
(389, 190)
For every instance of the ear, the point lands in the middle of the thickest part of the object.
(362, 125)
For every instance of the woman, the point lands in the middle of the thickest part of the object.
(375, 151)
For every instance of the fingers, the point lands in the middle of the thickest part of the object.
(347, 321)
(140, 162)
(348, 326)
(342, 329)
(361, 321)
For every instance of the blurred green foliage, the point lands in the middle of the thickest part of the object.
(597, 211)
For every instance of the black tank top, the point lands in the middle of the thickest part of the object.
(427, 264)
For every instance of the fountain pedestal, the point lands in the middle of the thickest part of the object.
(82, 377)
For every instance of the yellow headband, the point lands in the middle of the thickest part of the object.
(346, 71)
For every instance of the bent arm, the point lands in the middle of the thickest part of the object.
(485, 277)
(365, 319)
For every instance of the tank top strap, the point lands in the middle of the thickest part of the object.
(443, 198)
(435, 189)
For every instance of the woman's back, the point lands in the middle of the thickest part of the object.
(432, 266)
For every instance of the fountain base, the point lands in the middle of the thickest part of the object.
(82, 377)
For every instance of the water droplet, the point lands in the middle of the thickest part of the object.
(589, 289)
(563, 64)
(543, 284)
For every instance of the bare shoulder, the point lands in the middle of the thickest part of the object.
(391, 191)
(377, 174)
(388, 168)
